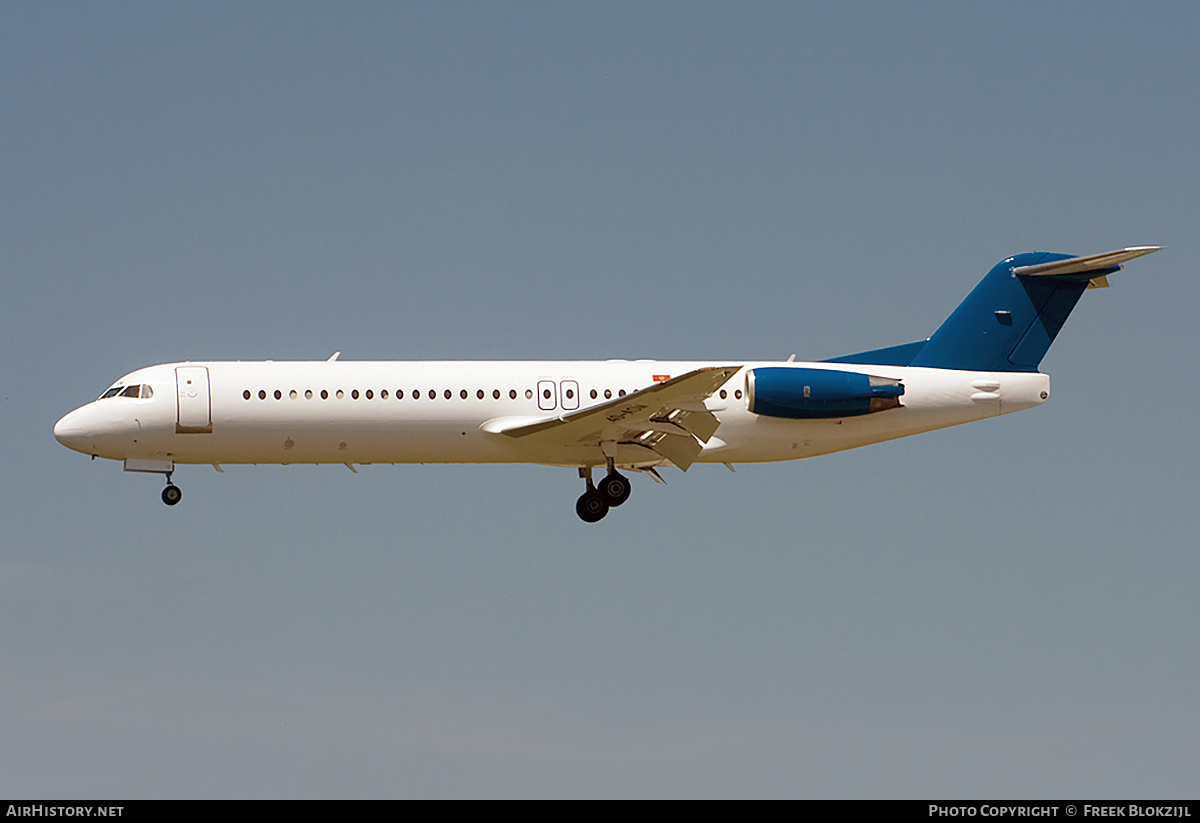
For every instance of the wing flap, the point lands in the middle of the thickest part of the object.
(682, 451)
(701, 424)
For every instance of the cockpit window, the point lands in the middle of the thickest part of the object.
(143, 391)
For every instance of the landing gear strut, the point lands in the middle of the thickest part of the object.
(595, 502)
(172, 493)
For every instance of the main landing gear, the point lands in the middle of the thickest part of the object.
(595, 502)
(172, 493)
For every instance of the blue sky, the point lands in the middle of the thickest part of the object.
(1005, 609)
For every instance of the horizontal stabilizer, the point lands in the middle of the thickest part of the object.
(1086, 263)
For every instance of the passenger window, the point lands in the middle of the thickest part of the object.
(339, 394)
(308, 394)
(293, 394)
(432, 394)
(262, 395)
(621, 393)
(246, 394)
(383, 394)
(479, 394)
(512, 394)
(278, 394)
(449, 394)
(370, 394)
(607, 394)
(495, 394)
(724, 394)
(529, 394)
(324, 394)
(354, 394)
(593, 394)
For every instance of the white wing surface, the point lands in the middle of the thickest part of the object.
(668, 418)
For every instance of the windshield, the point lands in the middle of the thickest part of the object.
(143, 391)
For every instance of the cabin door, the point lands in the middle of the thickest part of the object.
(193, 406)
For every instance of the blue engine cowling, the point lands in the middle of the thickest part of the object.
(813, 394)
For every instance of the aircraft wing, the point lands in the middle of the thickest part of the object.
(668, 418)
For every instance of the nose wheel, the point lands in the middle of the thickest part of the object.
(172, 493)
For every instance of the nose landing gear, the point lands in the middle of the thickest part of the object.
(172, 493)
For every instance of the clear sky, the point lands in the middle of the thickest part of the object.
(1005, 609)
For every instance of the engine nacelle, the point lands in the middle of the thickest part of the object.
(812, 394)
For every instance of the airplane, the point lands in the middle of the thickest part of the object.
(638, 415)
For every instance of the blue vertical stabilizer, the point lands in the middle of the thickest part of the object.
(1009, 320)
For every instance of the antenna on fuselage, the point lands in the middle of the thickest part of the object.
(333, 356)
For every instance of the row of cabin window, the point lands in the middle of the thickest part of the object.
(464, 394)
(416, 394)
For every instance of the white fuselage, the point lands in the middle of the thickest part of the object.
(453, 412)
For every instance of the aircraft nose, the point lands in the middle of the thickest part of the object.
(71, 432)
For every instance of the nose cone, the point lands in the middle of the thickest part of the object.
(72, 433)
(104, 428)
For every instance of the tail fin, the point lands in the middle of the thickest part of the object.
(1009, 320)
